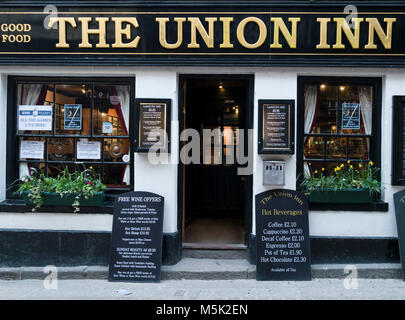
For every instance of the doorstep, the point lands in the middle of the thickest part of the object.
(207, 269)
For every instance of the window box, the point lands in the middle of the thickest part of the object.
(341, 196)
(54, 199)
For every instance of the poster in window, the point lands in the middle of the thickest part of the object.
(35, 118)
(73, 117)
(31, 149)
(351, 116)
(153, 130)
(88, 150)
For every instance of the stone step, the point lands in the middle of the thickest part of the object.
(214, 254)
(206, 269)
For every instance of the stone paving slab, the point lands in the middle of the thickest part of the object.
(207, 269)
(317, 289)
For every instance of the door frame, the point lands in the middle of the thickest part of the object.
(249, 125)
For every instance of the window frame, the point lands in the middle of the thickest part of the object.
(375, 140)
(12, 158)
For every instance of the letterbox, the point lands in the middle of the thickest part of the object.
(273, 173)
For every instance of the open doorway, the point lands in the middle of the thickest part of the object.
(216, 201)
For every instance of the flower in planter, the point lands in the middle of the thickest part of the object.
(79, 184)
(344, 178)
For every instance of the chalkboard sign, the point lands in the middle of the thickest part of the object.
(276, 126)
(398, 142)
(282, 236)
(136, 241)
(153, 125)
(399, 201)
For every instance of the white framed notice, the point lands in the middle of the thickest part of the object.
(35, 118)
(31, 149)
(88, 150)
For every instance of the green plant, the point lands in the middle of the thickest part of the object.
(80, 184)
(345, 176)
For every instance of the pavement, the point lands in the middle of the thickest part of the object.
(207, 269)
(248, 289)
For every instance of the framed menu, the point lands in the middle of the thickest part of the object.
(276, 126)
(398, 141)
(152, 124)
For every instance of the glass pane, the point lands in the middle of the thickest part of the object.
(116, 150)
(111, 110)
(30, 168)
(321, 104)
(73, 109)
(60, 149)
(314, 148)
(116, 175)
(336, 148)
(31, 148)
(88, 149)
(359, 148)
(345, 109)
(34, 106)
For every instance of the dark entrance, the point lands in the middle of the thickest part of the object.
(216, 200)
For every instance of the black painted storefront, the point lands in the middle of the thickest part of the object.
(41, 247)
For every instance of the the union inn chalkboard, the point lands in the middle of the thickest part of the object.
(282, 236)
(216, 33)
(136, 241)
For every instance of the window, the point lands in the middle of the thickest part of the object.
(73, 123)
(340, 121)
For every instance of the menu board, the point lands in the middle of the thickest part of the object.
(399, 201)
(350, 115)
(398, 142)
(136, 240)
(282, 236)
(276, 126)
(152, 124)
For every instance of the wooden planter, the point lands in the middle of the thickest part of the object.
(54, 199)
(341, 196)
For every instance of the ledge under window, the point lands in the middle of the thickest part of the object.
(19, 206)
(373, 206)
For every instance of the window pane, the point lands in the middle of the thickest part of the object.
(31, 119)
(359, 148)
(73, 109)
(88, 149)
(345, 109)
(116, 175)
(321, 103)
(336, 148)
(111, 110)
(32, 148)
(314, 148)
(60, 149)
(116, 150)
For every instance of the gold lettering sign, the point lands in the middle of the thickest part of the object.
(224, 32)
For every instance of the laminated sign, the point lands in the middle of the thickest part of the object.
(35, 118)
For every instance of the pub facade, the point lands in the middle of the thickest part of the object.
(274, 90)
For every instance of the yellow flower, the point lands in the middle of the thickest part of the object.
(91, 168)
(342, 165)
(351, 167)
(348, 161)
(360, 165)
(323, 169)
(316, 171)
(371, 163)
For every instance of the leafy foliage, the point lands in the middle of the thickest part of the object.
(346, 176)
(80, 184)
